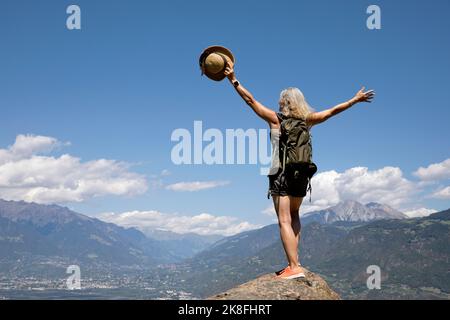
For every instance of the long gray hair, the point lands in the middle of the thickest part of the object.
(293, 104)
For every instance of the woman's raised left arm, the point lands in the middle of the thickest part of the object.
(321, 116)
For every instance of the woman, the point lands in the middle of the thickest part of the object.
(286, 200)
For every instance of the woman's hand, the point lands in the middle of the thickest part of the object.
(362, 96)
(229, 72)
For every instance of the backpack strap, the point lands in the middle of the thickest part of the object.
(281, 118)
(284, 157)
(309, 189)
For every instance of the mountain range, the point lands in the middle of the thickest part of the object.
(29, 230)
(338, 243)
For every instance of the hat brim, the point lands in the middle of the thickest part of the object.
(215, 49)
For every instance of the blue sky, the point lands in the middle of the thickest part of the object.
(117, 88)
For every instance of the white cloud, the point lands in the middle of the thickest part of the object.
(196, 185)
(203, 224)
(26, 174)
(26, 146)
(165, 173)
(386, 185)
(269, 211)
(162, 174)
(419, 212)
(443, 193)
(325, 192)
(435, 171)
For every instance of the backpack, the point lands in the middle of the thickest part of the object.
(296, 149)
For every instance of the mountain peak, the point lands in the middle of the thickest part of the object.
(39, 214)
(384, 209)
(354, 211)
(268, 287)
(349, 205)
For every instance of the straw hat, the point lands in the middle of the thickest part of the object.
(214, 60)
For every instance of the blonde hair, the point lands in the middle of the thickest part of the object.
(293, 104)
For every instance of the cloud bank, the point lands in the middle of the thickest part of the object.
(203, 224)
(28, 173)
(435, 171)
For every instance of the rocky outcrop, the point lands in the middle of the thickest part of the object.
(269, 287)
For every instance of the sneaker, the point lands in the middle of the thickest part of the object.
(287, 273)
(282, 270)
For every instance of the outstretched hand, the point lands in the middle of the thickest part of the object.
(362, 96)
(229, 72)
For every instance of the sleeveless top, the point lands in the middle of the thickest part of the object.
(275, 135)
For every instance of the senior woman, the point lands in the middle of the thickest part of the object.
(287, 199)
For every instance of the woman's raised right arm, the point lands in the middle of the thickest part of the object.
(261, 110)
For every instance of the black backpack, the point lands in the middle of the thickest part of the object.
(296, 149)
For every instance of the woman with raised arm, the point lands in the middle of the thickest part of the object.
(287, 196)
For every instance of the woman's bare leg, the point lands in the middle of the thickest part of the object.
(288, 237)
(295, 203)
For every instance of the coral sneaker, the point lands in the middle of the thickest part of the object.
(282, 270)
(287, 273)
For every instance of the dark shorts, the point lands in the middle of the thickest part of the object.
(282, 184)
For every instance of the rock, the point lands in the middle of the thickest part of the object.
(269, 287)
